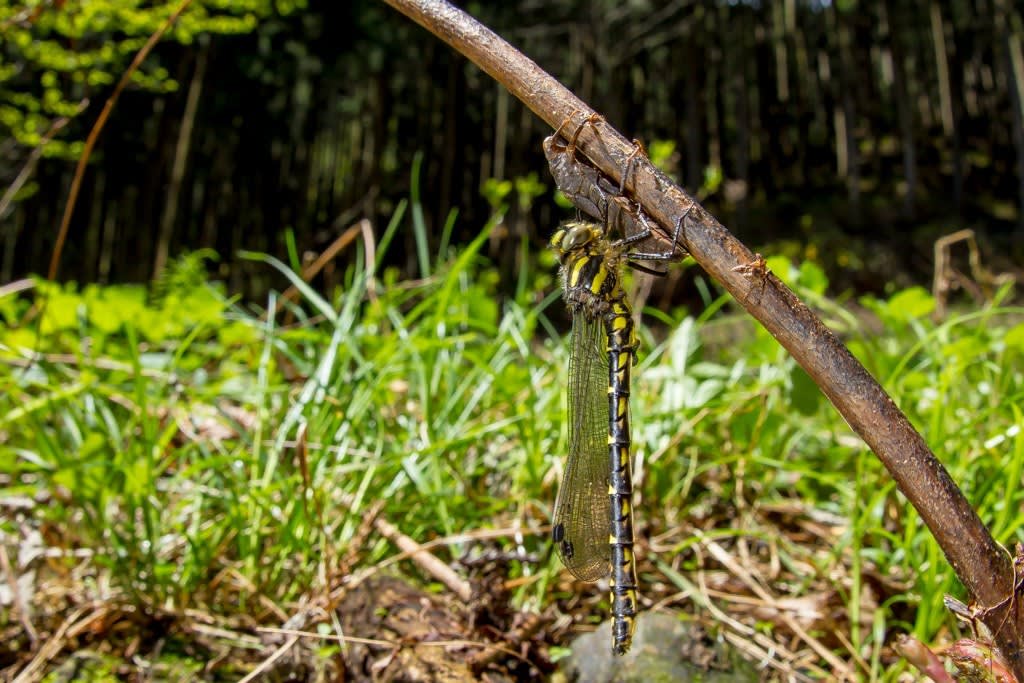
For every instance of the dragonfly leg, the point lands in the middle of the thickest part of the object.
(570, 147)
(638, 151)
(653, 255)
(593, 118)
(566, 120)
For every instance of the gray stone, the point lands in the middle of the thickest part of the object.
(665, 648)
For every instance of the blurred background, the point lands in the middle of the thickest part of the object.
(850, 133)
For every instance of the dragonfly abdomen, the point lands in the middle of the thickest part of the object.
(621, 347)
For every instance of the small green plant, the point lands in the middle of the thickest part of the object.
(162, 426)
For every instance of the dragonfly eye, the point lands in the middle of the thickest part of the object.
(577, 235)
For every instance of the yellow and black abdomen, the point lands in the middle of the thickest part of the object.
(621, 349)
(593, 522)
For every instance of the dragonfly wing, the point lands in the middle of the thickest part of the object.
(582, 520)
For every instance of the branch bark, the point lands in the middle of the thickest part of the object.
(981, 564)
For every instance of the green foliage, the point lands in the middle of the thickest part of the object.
(528, 188)
(164, 426)
(184, 274)
(662, 153)
(496, 192)
(713, 178)
(54, 56)
(563, 201)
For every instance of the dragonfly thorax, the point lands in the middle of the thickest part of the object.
(590, 268)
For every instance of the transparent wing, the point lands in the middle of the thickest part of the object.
(582, 520)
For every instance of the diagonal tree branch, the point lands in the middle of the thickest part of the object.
(980, 563)
(94, 134)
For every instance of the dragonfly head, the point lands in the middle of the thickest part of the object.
(573, 236)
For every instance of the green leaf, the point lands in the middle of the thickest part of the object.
(1014, 337)
(660, 152)
(60, 310)
(910, 304)
(805, 396)
(496, 191)
(528, 188)
(713, 177)
(813, 277)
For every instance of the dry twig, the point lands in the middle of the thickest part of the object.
(94, 134)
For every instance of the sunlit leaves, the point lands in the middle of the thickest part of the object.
(1014, 338)
(54, 56)
(908, 304)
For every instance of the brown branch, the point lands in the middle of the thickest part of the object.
(33, 158)
(977, 559)
(363, 227)
(426, 560)
(94, 134)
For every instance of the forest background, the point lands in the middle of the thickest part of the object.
(153, 438)
(852, 132)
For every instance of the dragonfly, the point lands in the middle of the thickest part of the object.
(593, 516)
